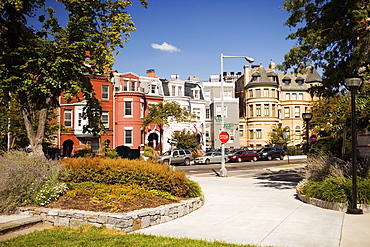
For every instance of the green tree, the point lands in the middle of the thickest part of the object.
(38, 64)
(332, 35)
(186, 140)
(163, 114)
(279, 136)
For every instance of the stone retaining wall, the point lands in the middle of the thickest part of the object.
(330, 205)
(127, 222)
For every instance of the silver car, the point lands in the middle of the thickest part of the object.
(181, 156)
(211, 157)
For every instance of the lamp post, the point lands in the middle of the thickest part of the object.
(223, 170)
(353, 84)
(307, 116)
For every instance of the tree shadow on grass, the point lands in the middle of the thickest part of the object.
(282, 179)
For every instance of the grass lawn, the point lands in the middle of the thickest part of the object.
(102, 237)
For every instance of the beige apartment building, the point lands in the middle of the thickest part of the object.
(268, 99)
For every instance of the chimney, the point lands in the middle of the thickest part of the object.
(150, 73)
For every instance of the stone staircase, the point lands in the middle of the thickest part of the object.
(14, 225)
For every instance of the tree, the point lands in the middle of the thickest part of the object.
(37, 65)
(186, 140)
(332, 35)
(162, 114)
(279, 136)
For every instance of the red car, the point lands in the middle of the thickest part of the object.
(243, 155)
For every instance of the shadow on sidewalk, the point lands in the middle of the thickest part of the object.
(282, 179)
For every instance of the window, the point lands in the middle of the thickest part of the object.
(299, 82)
(286, 82)
(300, 96)
(128, 137)
(218, 111)
(197, 113)
(294, 96)
(265, 92)
(105, 119)
(287, 96)
(258, 134)
(79, 122)
(254, 78)
(258, 92)
(128, 108)
(133, 85)
(251, 136)
(105, 91)
(273, 110)
(297, 112)
(180, 91)
(142, 109)
(286, 112)
(153, 89)
(228, 94)
(298, 133)
(125, 85)
(258, 110)
(173, 91)
(68, 118)
(196, 94)
(250, 93)
(208, 115)
(207, 94)
(250, 110)
(273, 93)
(241, 130)
(267, 110)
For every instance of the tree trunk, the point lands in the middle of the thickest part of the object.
(35, 138)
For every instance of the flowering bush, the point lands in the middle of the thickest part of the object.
(49, 192)
(22, 176)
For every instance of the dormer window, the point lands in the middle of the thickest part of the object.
(299, 81)
(286, 82)
(196, 93)
(254, 78)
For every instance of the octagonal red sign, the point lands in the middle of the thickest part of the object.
(223, 137)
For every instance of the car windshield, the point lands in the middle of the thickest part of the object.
(265, 149)
(167, 153)
(208, 154)
(239, 152)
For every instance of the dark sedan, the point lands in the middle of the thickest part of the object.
(243, 155)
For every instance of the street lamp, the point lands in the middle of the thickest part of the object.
(307, 116)
(353, 83)
(223, 170)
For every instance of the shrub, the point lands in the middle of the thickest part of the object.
(49, 192)
(22, 177)
(127, 172)
(111, 153)
(337, 189)
(321, 166)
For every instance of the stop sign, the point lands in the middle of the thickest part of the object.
(313, 139)
(223, 136)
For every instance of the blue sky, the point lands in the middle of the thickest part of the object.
(186, 37)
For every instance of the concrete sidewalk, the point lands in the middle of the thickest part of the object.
(252, 211)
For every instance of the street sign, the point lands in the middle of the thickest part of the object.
(228, 125)
(218, 119)
(223, 136)
(313, 139)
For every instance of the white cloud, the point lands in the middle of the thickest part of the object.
(165, 47)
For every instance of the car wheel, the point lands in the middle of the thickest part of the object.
(187, 162)
(269, 157)
(240, 159)
(167, 162)
(281, 157)
(254, 159)
(207, 162)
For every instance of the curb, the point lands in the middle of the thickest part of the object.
(341, 207)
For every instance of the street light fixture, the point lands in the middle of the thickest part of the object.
(307, 116)
(353, 84)
(223, 170)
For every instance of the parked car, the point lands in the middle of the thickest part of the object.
(181, 156)
(271, 153)
(210, 157)
(243, 155)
